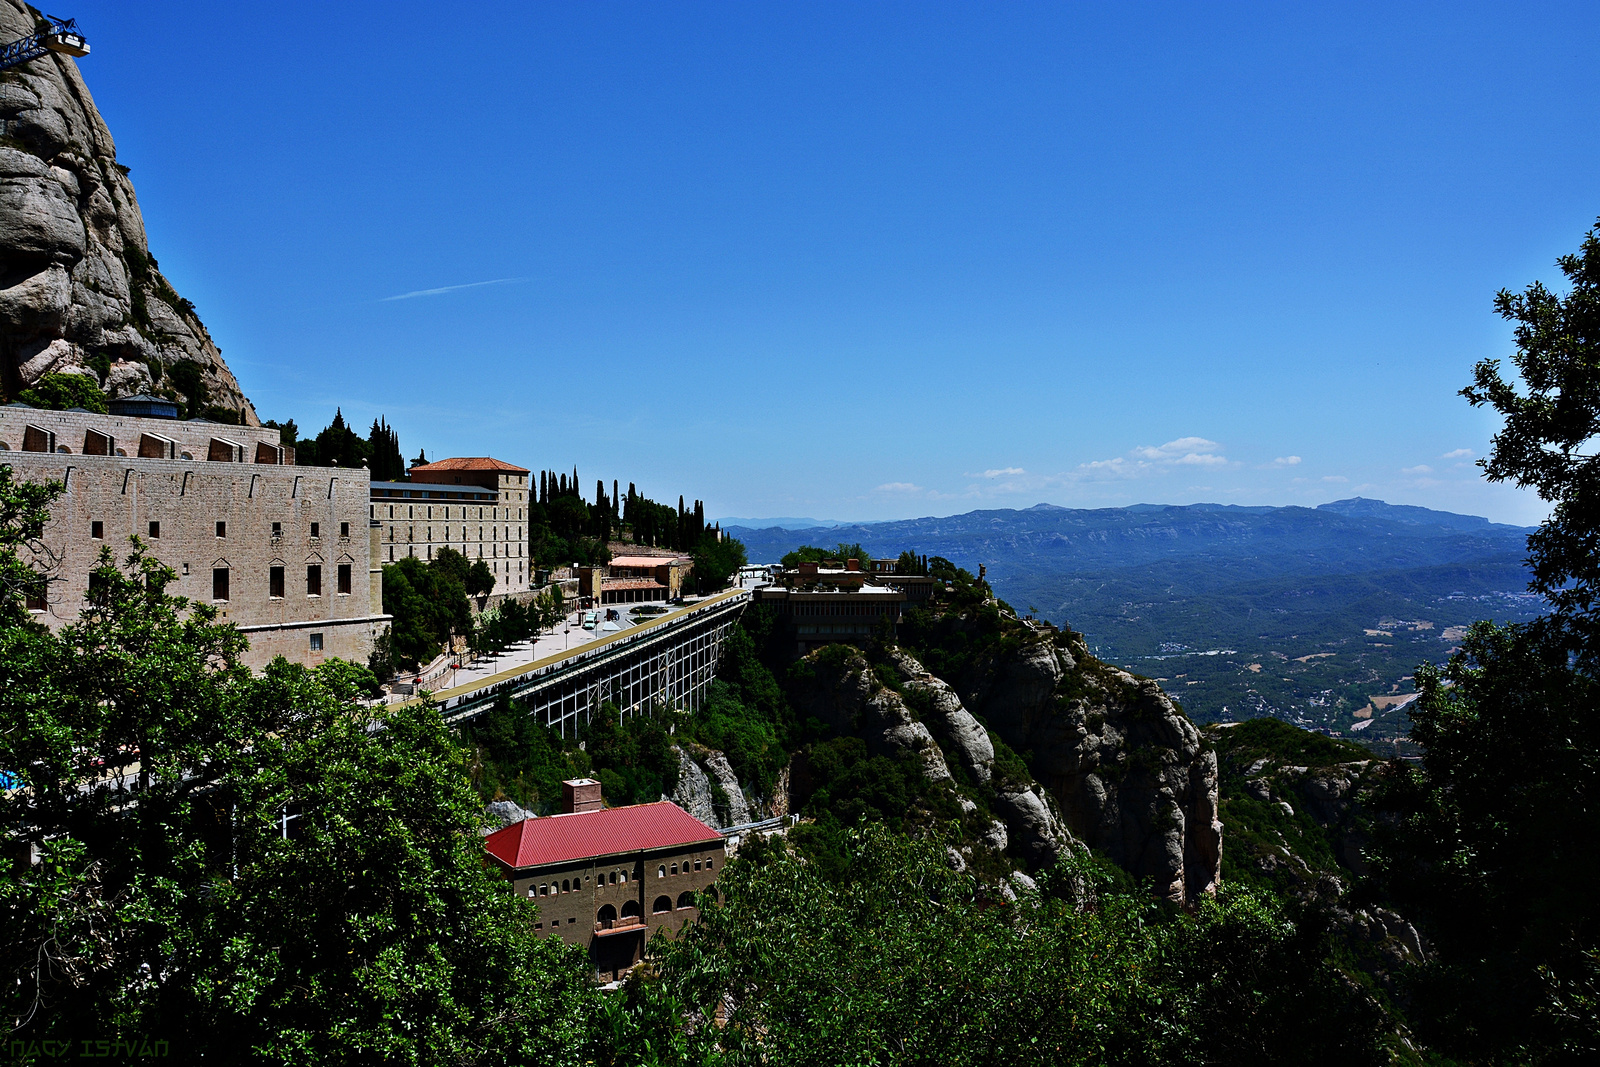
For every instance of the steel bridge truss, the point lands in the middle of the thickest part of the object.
(669, 667)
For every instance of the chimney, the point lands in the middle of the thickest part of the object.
(852, 564)
(580, 794)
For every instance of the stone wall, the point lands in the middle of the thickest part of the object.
(175, 507)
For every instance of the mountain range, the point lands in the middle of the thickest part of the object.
(1314, 615)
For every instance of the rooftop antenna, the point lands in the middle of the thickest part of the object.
(61, 36)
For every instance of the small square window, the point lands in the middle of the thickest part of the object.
(344, 529)
(316, 642)
(316, 529)
(222, 528)
(97, 530)
(155, 529)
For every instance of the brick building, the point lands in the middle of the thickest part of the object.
(475, 505)
(608, 878)
(285, 553)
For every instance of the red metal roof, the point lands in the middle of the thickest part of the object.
(564, 838)
(471, 463)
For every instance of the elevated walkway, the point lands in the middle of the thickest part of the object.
(670, 660)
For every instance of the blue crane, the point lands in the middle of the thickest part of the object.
(62, 36)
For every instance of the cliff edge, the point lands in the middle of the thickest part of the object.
(79, 291)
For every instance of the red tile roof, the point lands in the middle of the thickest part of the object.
(472, 463)
(564, 838)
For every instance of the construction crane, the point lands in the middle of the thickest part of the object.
(62, 36)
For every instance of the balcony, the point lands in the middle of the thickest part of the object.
(626, 925)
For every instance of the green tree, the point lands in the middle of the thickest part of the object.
(1490, 838)
(903, 960)
(252, 868)
(429, 603)
(716, 561)
(1552, 415)
(383, 445)
(1490, 845)
(61, 391)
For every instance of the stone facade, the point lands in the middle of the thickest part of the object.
(285, 553)
(476, 505)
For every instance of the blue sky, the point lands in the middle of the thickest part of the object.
(868, 260)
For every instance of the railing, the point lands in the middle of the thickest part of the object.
(623, 925)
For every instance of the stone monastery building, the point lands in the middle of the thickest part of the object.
(608, 878)
(286, 553)
(475, 505)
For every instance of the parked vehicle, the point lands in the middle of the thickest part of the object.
(611, 615)
(591, 619)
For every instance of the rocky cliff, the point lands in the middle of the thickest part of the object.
(1052, 744)
(80, 292)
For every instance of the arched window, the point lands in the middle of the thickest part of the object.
(662, 904)
(708, 863)
(606, 917)
(661, 871)
(624, 877)
(613, 877)
(685, 900)
(630, 910)
(566, 886)
(674, 869)
(533, 891)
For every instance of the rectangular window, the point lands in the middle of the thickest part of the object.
(222, 528)
(275, 582)
(316, 642)
(277, 529)
(97, 530)
(344, 529)
(219, 583)
(316, 529)
(155, 530)
(314, 579)
(344, 579)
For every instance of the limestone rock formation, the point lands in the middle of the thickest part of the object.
(79, 291)
(735, 809)
(1127, 768)
(708, 789)
(693, 791)
(498, 814)
(843, 691)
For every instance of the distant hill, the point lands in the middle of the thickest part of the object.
(1302, 613)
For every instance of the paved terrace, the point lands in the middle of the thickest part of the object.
(670, 659)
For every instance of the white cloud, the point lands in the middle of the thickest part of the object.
(1421, 468)
(1460, 453)
(1182, 452)
(1334, 478)
(447, 289)
(1286, 461)
(1003, 472)
(898, 487)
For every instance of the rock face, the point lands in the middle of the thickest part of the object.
(693, 791)
(79, 291)
(843, 692)
(708, 789)
(1128, 770)
(499, 814)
